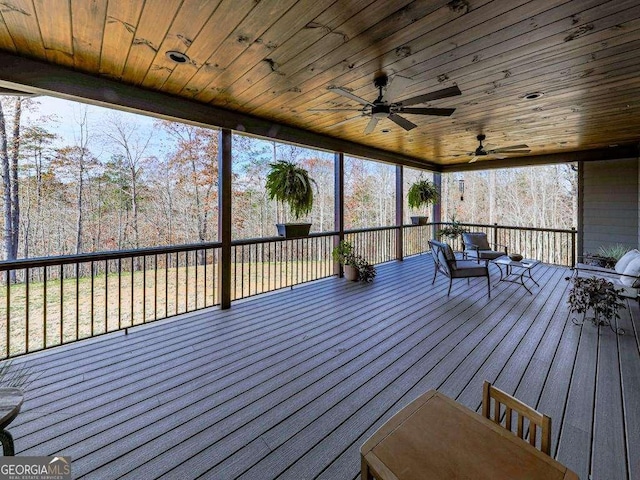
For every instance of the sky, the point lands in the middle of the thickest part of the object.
(67, 113)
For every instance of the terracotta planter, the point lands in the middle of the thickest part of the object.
(293, 230)
(351, 273)
(419, 220)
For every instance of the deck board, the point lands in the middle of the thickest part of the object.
(289, 385)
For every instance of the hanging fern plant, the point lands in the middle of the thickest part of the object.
(291, 185)
(422, 193)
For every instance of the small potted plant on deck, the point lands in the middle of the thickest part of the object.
(597, 295)
(422, 194)
(290, 184)
(355, 266)
(452, 230)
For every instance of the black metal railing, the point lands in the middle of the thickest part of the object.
(549, 245)
(376, 245)
(45, 302)
(267, 264)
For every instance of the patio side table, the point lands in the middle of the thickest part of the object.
(518, 276)
(10, 402)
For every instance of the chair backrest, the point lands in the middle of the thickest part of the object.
(476, 239)
(536, 420)
(443, 256)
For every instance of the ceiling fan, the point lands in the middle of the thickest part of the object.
(497, 153)
(385, 107)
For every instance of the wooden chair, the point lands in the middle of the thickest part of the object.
(536, 419)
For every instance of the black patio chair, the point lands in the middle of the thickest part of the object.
(477, 246)
(447, 264)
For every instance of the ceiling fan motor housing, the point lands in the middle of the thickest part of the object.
(380, 111)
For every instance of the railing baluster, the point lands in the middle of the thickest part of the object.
(61, 302)
(119, 293)
(8, 307)
(26, 307)
(92, 301)
(44, 306)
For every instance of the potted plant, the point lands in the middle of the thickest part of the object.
(452, 230)
(598, 295)
(355, 266)
(422, 194)
(290, 184)
(606, 256)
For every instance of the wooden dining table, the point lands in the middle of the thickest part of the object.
(434, 438)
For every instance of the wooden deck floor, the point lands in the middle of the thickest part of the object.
(289, 385)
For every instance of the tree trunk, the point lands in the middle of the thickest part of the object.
(6, 187)
(15, 199)
(79, 205)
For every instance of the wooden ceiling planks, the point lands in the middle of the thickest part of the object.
(55, 30)
(223, 21)
(275, 60)
(119, 32)
(295, 19)
(155, 21)
(467, 93)
(468, 61)
(326, 24)
(354, 60)
(22, 24)
(186, 25)
(245, 34)
(87, 26)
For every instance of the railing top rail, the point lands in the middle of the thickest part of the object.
(101, 256)
(121, 254)
(371, 229)
(252, 241)
(510, 227)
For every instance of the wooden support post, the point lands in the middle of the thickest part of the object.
(399, 212)
(436, 211)
(224, 217)
(338, 206)
(579, 205)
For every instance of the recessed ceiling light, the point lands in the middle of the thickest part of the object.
(177, 57)
(532, 95)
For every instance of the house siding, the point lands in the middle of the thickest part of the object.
(609, 204)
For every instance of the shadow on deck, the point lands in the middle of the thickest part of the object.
(289, 385)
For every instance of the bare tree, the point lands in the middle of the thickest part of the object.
(130, 144)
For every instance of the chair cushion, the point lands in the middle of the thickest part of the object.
(631, 277)
(468, 268)
(478, 239)
(446, 250)
(626, 259)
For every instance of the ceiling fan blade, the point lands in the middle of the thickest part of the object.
(403, 122)
(508, 151)
(440, 112)
(427, 97)
(473, 159)
(498, 157)
(397, 85)
(334, 110)
(511, 147)
(350, 95)
(371, 126)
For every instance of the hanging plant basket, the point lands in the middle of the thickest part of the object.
(422, 194)
(291, 185)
